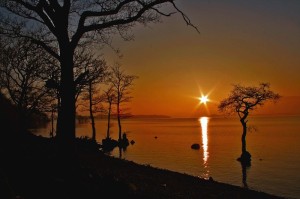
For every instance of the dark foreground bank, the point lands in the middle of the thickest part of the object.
(31, 168)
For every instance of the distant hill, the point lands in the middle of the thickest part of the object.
(151, 116)
(133, 116)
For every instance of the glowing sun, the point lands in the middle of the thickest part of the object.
(203, 99)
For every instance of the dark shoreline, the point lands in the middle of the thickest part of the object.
(32, 169)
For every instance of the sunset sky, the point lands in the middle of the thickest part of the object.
(244, 42)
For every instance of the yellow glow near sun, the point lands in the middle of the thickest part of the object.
(203, 99)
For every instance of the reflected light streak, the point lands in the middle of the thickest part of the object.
(204, 123)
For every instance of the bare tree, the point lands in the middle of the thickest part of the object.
(61, 26)
(89, 70)
(242, 100)
(121, 83)
(23, 70)
(94, 106)
(109, 98)
(90, 86)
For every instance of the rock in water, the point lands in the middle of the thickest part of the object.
(195, 146)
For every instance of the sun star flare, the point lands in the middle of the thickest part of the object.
(203, 99)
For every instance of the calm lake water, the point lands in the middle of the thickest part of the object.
(274, 147)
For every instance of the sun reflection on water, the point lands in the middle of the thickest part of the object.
(204, 124)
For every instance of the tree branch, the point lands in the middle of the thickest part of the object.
(39, 10)
(82, 28)
(44, 45)
(185, 18)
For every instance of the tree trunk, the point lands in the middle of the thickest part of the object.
(108, 121)
(120, 152)
(67, 112)
(58, 111)
(119, 120)
(66, 119)
(23, 120)
(52, 123)
(245, 156)
(91, 112)
(244, 136)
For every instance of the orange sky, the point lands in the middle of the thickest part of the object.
(240, 42)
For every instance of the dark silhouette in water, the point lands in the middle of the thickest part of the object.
(195, 146)
(109, 144)
(245, 166)
(132, 142)
(124, 142)
(121, 150)
(242, 100)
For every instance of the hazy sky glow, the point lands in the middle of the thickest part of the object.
(245, 42)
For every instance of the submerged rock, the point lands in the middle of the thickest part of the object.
(195, 146)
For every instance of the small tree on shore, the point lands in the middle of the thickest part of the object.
(242, 100)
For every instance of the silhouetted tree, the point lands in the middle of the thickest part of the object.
(88, 68)
(61, 26)
(52, 83)
(23, 69)
(94, 106)
(109, 98)
(121, 83)
(53, 108)
(242, 100)
(90, 86)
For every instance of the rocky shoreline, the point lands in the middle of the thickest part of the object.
(32, 169)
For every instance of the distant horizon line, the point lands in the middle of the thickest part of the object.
(127, 116)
